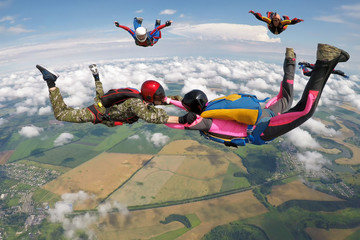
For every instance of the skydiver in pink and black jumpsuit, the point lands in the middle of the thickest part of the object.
(277, 118)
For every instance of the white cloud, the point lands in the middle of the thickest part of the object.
(63, 138)
(313, 161)
(220, 31)
(331, 19)
(319, 128)
(351, 10)
(18, 29)
(30, 131)
(44, 110)
(134, 137)
(2, 121)
(9, 19)
(108, 206)
(159, 139)
(139, 11)
(302, 139)
(168, 12)
(63, 209)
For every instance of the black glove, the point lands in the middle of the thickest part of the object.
(188, 118)
(167, 23)
(117, 24)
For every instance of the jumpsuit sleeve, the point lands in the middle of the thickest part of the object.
(262, 18)
(132, 33)
(99, 89)
(148, 113)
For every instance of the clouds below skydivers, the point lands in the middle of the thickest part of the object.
(64, 207)
(313, 161)
(63, 138)
(30, 131)
(216, 77)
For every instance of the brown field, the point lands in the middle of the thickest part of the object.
(99, 176)
(146, 183)
(332, 234)
(144, 224)
(5, 156)
(296, 190)
(350, 108)
(174, 177)
(346, 133)
(183, 147)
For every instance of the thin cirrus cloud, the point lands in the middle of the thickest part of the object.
(220, 31)
(168, 12)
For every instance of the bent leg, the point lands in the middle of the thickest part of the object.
(327, 59)
(282, 102)
(137, 22)
(64, 113)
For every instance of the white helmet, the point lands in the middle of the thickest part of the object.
(140, 34)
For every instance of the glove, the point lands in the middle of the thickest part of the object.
(297, 20)
(305, 64)
(117, 24)
(168, 23)
(251, 11)
(188, 118)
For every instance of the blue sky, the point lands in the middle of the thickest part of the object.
(67, 32)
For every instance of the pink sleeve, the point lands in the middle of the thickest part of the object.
(182, 126)
(177, 104)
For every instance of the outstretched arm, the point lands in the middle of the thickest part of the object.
(260, 17)
(132, 33)
(291, 22)
(155, 34)
(341, 73)
(304, 66)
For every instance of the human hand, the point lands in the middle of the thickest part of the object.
(251, 11)
(168, 23)
(117, 24)
(188, 118)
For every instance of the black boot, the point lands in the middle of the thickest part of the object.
(48, 75)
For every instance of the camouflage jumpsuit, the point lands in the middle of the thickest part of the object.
(130, 108)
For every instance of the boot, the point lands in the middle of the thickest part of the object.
(48, 75)
(94, 72)
(327, 58)
(139, 20)
(290, 53)
(327, 53)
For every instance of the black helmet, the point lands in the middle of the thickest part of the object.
(195, 101)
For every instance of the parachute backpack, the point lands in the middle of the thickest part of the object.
(243, 108)
(111, 98)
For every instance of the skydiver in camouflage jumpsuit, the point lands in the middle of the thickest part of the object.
(128, 111)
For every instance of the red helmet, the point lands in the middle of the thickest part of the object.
(152, 90)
